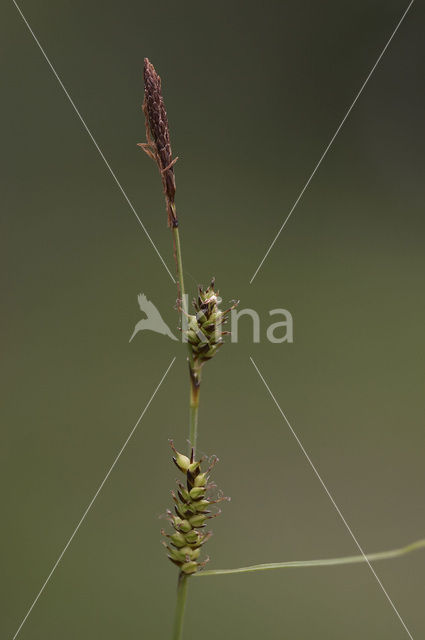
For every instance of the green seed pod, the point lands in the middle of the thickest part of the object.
(189, 567)
(192, 537)
(201, 317)
(182, 510)
(212, 318)
(178, 539)
(189, 553)
(201, 505)
(195, 553)
(184, 526)
(176, 555)
(197, 520)
(192, 337)
(201, 480)
(180, 460)
(197, 492)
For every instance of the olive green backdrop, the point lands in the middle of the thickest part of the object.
(254, 92)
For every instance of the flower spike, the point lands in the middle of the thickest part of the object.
(190, 514)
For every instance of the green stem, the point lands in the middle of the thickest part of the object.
(180, 607)
(194, 408)
(179, 264)
(327, 562)
(195, 372)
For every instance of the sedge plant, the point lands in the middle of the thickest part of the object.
(202, 330)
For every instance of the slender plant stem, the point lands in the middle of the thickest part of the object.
(181, 289)
(194, 409)
(195, 378)
(179, 264)
(327, 562)
(195, 372)
(180, 607)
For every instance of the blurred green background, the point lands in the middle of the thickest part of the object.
(254, 92)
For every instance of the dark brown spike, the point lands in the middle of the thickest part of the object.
(175, 462)
(158, 143)
(181, 497)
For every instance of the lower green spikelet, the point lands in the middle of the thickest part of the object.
(191, 512)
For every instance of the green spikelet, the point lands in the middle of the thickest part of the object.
(191, 512)
(205, 328)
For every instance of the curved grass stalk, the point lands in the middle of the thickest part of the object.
(326, 562)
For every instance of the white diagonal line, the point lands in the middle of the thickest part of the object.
(331, 499)
(92, 501)
(331, 141)
(93, 140)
